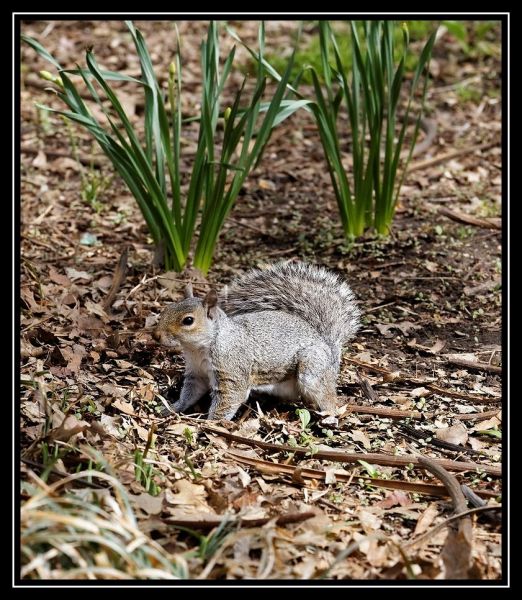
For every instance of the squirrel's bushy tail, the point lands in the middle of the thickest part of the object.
(313, 293)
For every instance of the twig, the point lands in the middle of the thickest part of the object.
(436, 160)
(442, 89)
(118, 278)
(379, 307)
(487, 414)
(252, 228)
(461, 217)
(471, 364)
(38, 242)
(376, 369)
(449, 481)
(430, 533)
(210, 522)
(354, 457)
(455, 394)
(367, 389)
(387, 413)
(275, 468)
(417, 434)
(477, 502)
(395, 413)
(456, 553)
(396, 376)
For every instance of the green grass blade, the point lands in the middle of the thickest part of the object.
(107, 75)
(41, 50)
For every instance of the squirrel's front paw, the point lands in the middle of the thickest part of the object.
(178, 406)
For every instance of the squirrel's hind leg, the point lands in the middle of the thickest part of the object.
(317, 379)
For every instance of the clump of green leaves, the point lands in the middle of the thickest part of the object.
(476, 39)
(371, 92)
(145, 472)
(152, 170)
(372, 471)
(209, 544)
(306, 438)
(93, 181)
(304, 417)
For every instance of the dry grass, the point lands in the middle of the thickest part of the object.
(88, 534)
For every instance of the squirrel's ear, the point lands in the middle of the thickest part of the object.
(210, 302)
(188, 292)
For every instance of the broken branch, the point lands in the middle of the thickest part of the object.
(272, 468)
(456, 553)
(354, 457)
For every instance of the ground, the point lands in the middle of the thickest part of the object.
(106, 467)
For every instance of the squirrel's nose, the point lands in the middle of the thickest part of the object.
(156, 334)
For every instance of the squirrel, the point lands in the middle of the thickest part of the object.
(280, 331)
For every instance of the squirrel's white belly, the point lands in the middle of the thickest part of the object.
(286, 390)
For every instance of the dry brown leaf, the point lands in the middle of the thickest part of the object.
(426, 519)
(249, 427)
(189, 495)
(143, 432)
(89, 324)
(456, 434)
(469, 356)
(486, 286)
(62, 163)
(420, 392)
(40, 160)
(329, 476)
(113, 426)
(456, 554)
(124, 407)
(266, 184)
(73, 356)
(178, 429)
(395, 498)
(152, 505)
(113, 391)
(59, 278)
(406, 327)
(376, 554)
(75, 275)
(244, 477)
(437, 346)
(28, 298)
(358, 435)
(70, 427)
(104, 283)
(492, 423)
(369, 520)
(247, 500)
(96, 309)
(477, 444)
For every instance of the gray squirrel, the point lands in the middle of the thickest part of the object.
(280, 332)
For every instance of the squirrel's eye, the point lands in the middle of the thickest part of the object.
(188, 320)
